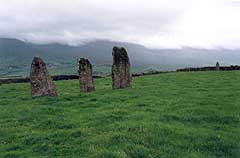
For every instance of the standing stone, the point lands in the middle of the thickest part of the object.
(85, 76)
(217, 66)
(121, 75)
(41, 82)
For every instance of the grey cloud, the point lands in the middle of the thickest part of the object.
(152, 23)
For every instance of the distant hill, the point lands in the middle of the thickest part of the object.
(16, 56)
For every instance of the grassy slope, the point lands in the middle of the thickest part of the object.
(188, 115)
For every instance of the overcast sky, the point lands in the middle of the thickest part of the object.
(153, 23)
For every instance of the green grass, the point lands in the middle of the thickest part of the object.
(175, 115)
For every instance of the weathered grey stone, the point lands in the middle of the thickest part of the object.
(217, 66)
(85, 75)
(121, 75)
(41, 82)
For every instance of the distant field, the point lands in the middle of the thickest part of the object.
(71, 69)
(175, 115)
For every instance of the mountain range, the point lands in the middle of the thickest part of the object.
(16, 56)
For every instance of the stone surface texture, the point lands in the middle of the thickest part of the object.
(85, 75)
(217, 66)
(41, 82)
(121, 69)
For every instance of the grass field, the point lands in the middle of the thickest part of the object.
(175, 115)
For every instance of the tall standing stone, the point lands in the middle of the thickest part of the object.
(121, 75)
(217, 66)
(85, 75)
(41, 82)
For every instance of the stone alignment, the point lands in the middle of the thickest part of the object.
(85, 75)
(41, 82)
(121, 75)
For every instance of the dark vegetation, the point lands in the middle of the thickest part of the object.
(150, 72)
(68, 77)
(211, 68)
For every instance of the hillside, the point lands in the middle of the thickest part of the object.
(183, 115)
(16, 56)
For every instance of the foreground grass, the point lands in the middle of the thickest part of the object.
(176, 115)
